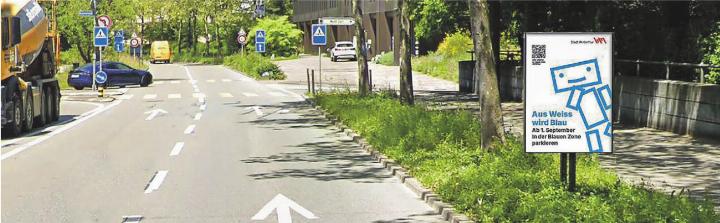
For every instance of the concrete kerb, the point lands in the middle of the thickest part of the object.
(445, 210)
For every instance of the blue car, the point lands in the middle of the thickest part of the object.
(119, 74)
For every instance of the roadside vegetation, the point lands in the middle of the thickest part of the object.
(255, 66)
(441, 149)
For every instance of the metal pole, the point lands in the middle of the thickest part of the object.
(637, 67)
(320, 66)
(571, 185)
(370, 79)
(307, 72)
(702, 74)
(94, 86)
(563, 168)
(312, 73)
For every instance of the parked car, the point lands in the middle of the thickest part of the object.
(343, 49)
(119, 74)
(160, 51)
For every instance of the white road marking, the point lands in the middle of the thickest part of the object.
(196, 90)
(249, 94)
(203, 107)
(158, 82)
(226, 95)
(174, 96)
(76, 121)
(177, 148)
(193, 82)
(283, 205)
(174, 82)
(154, 113)
(190, 129)
(51, 128)
(210, 80)
(277, 94)
(226, 80)
(201, 100)
(132, 219)
(197, 116)
(125, 96)
(149, 96)
(257, 109)
(187, 72)
(155, 182)
(283, 111)
(198, 95)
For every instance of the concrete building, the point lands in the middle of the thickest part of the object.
(380, 19)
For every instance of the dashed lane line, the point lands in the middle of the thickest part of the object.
(149, 96)
(249, 94)
(174, 96)
(225, 95)
(276, 94)
(177, 148)
(226, 80)
(156, 181)
(189, 129)
(210, 80)
(197, 116)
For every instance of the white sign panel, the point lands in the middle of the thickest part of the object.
(568, 92)
(337, 21)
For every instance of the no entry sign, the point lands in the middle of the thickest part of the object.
(568, 92)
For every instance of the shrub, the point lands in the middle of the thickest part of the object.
(385, 58)
(456, 45)
(255, 66)
(283, 38)
(441, 149)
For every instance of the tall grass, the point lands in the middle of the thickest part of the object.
(442, 150)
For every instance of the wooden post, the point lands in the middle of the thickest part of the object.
(571, 172)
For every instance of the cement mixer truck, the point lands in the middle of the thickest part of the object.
(30, 55)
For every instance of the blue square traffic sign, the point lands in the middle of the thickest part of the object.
(260, 36)
(101, 36)
(260, 47)
(319, 34)
(119, 43)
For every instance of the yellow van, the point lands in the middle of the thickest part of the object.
(160, 51)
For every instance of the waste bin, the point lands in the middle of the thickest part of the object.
(466, 70)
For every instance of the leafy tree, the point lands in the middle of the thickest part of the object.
(282, 37)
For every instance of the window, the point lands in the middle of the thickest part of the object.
(123, 66)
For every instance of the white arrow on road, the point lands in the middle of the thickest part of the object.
(257, 110)
(283, 205)
(154, 113)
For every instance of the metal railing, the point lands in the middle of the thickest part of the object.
(702, 67)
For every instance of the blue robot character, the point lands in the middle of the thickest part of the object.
(587, 95)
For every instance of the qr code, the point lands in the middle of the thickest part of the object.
(538, 51)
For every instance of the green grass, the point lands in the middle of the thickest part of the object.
(385, 58)
(441, 149)
(438, 65)
(255, 66)
(62, 79)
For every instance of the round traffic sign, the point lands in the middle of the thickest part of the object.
(100, 77)
(105, 21)
(134, 42)
(242, 40)
(241, 32)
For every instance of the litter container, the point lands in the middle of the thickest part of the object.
(466, 73)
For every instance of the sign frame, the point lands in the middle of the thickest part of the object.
(321, 40)
(101, 42)
(609, 83)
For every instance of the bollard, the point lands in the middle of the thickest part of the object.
(702, 74)
(312, 73)
(307, 71)
(637, 68)
(101, 92)
(667, 70)
(370, 79)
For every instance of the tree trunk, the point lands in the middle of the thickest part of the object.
(491, 120)
(179, 37)
(83, 54)
(361, 50)
(207, 38)
(406, 84)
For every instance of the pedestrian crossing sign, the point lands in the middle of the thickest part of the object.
(101, 36)
(319, 34)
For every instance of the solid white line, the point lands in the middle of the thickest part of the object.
(55, 125)
(174, 96)
(197, 116)
(156, 181)
(187, 72)
(226, 95)
(174, 82)
(190, 129)
(177, 148)
(249, 94)
(59, 130)
(150, 96)
(158, 82)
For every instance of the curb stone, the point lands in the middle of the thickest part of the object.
(445, 210)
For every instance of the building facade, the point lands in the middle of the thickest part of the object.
(380, 20)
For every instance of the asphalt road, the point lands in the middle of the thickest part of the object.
(221, 147)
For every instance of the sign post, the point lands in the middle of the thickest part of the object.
(319, 38)
(101, 40)
(568, 96)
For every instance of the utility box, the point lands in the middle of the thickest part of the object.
(466, 78)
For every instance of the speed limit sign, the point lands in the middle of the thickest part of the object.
(134, 42)
(242, 40)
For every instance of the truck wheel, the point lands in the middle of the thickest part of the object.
(29, 111)
(15, 128)
(55, 102)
